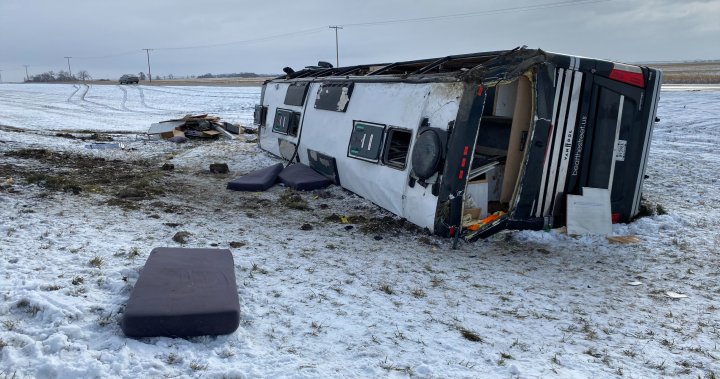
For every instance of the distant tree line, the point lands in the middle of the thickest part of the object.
(233, 75)
(60, 76)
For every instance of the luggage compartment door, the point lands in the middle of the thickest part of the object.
(614, 143)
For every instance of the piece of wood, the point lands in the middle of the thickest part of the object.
(211, 133)
(522, 116)
(623, 239)
(220, 129)
(164, 127)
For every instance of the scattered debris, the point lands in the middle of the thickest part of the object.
(200, 126)
(219, 168)
(635, 283)
(106, 146)
(7, 185)
(589, 213)
(178, 139)
(306, 226)
(236, 244)
(181, 237)
(675, 295)
(167, 167)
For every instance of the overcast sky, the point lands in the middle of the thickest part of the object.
(106, 37)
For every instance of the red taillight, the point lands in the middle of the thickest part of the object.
(628, 74)
(615, 218)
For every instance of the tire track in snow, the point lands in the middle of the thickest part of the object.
(124, 100)
(77, 88)
(87, 89)
(142, 101)
(142, 97)
(174, 92)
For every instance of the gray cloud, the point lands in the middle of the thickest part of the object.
(106, 38)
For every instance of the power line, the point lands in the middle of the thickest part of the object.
(147, 51)
(69, 69)
(270, 37)
(477, 13)
(337, 49)
(109, 55)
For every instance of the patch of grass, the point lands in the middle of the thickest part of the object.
(555, 359)
(106, 320)
(629, 353)
(427, 241)
(293, 200)
(196, 365)
(172, 359)
(437, 282)
(9, 325)
(387, 225)
(333, 218)
(226, 353)
(96, 262)
(316, 327)
(385, 365)
(418, 293)
(25, 305)
(648, 208)
(52, 287)
(387, 289)
(124, 204)
(256, 268)
(134, 253)
(470, 335)
(78, 280)
(592, 353)
(54, 182)
(181, 237)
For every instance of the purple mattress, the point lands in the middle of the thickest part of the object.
(183, 293)
(258, 180)
(302, 178)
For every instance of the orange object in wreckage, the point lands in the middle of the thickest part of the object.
(485, 221)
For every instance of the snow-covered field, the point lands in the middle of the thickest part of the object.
(325, 299)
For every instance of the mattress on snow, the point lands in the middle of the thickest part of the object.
(302, 178)
(258, 180)
(183, 293)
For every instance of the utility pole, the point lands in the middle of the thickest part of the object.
(147, 51)
(1, 76)
(27, 77)
(68, 58)
(337, 50)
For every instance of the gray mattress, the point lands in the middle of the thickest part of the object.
(183, 293)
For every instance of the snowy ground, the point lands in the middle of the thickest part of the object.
(378, 299)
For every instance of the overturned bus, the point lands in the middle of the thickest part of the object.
(468, 145)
